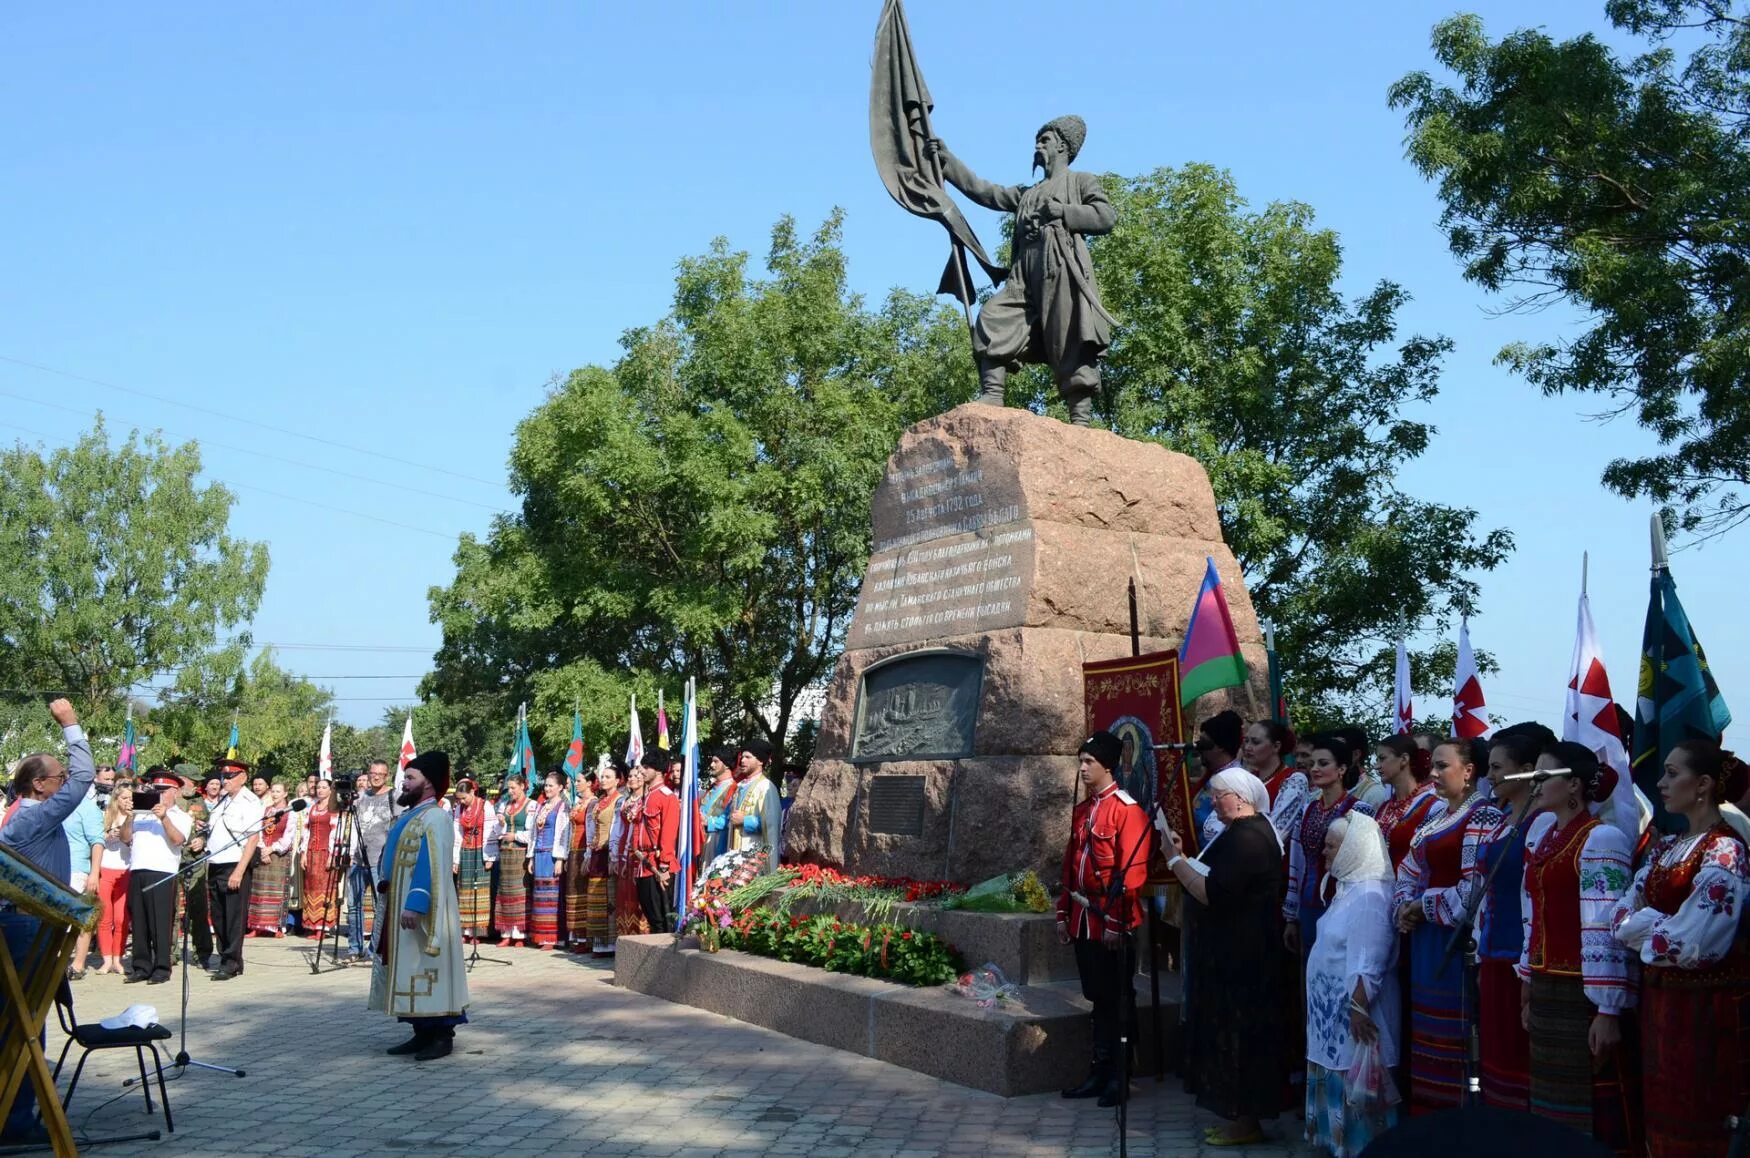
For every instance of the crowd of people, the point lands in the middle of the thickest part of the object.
(1330, 911)
(572, 867)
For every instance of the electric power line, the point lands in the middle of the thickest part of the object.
(245, 421)
(262, 454)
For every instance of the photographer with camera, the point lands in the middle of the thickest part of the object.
(154, 831)
(373, 810)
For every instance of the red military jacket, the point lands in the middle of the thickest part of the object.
(656, 832)
(1108, 835)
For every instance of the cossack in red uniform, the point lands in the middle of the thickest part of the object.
(1109, 834)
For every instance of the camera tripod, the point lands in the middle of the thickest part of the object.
(339, 871)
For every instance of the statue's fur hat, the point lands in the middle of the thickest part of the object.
(1072, 129)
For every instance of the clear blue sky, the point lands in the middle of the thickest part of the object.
(390, 225)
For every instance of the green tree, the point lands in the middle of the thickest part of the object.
(699, 508)
(115, 566)
(1237, 349)
(279, 715)
(1620, 186)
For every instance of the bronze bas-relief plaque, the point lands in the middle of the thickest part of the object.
(953, 548)
(921, 705)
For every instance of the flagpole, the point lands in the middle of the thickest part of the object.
(1585, 569)
(1661, 559)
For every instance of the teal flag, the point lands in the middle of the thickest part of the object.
(574, 755)
(1677, 698)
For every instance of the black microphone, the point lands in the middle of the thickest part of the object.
(297, 805)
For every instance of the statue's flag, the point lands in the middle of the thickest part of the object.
(1468, 719)
(1677, 699)
(899, 130)
(573, 766)
(1590, 719)
(1210, 659)
(1404, 710)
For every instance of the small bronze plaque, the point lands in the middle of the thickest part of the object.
(896, 805)
(918, 706)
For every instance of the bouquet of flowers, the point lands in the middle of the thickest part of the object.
(709, 906)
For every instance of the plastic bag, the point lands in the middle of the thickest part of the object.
(986, 985)
(1368, 1083)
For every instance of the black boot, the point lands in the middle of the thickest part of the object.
(992, 385)
(1111, 1094)
(1081, 410)
(413, 1045)
(1094, 1085)
(439, 1046)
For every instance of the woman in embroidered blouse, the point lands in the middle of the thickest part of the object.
(550, 841)
(1682, 917)
(1304, 904)
(511, 917)
(1575, 974)
(1405, 769)
(1351, 987)
(1430, 896)
(476, 835)
(1266, 746)
(315, 854)
(266, 914)
(628, 914)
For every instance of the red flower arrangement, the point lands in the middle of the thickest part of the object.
(914, 890)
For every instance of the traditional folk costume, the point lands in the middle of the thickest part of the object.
(1505, 1048)
(266, 915)
(419, 976)
(321, 901)
(714, 807)
(599, 884)
(763, 820)
(1682, 917)
(1105, 865)
(655, 840)
(1574, 877)
(1432, 877)
(1357, 945)
(550, 840)
(574, 889)
(1401, 816)
(1305, 900)
(476, 839)
(512, 914)
(628, 913)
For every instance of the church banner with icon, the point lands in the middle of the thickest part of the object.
(1137, 699)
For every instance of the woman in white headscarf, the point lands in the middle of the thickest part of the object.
(1351, 987)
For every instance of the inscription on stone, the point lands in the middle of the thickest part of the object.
(953, 549)
(918, 706)
(896, 805)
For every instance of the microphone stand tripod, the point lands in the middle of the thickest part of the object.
(1464, 935)
(182, 875)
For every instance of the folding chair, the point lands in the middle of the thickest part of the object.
(91, 1038)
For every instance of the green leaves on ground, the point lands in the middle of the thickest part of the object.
(1621, 187)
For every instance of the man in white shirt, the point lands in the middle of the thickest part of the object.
(154, 833)
(236, 832)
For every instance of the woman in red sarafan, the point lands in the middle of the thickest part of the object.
(316, 859)
(1681, 917)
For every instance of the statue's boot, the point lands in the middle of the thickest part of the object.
(1081, 410)
(992, 385)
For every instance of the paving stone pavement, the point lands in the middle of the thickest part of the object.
(559, 1061)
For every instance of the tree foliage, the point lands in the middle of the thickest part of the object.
(1621, 186)
(115, 566)
(701, 507)
(1235, 347)
(279, 715)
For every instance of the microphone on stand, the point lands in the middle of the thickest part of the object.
(295, 806)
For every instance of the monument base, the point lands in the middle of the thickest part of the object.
(1005, 545)
(1038, 1043)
